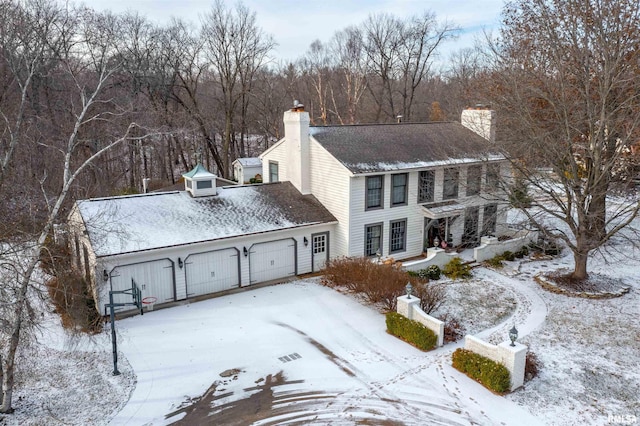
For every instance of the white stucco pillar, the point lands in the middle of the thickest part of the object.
(405, 306)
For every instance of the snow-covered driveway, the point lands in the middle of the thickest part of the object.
(341, 365)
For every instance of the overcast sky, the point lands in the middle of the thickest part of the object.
(295, 24)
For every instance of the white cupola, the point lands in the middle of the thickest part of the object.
(200, 182)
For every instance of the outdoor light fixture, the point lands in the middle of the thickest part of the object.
(105, 275)
(245, 251)
(306, 242)
(409, 289)
(513, 335)
(378, 254)
(436, 242)
(180, 263)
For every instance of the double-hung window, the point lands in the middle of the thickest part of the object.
(450, 184)
(493, 176)
(474, 178)
(397, 236)
(374, 192)
(399, 189)
(373, 239)
(426, 181)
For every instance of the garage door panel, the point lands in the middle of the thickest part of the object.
(272, 260)
(211, 272)
(155, 279)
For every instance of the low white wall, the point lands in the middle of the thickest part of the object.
(491, 247)
(410, 308)
(435, 256)
(512, 357)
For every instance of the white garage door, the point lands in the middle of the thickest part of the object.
(212, 271)
(154, 278)
(272, 260)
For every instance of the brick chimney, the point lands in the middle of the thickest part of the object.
(296, 135)
(481, 119)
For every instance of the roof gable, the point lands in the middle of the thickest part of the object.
(384, 147)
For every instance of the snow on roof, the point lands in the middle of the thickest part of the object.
(250, 161)
(400, 165)
(126, 224)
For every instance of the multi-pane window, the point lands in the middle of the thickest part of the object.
(374, 192)
(425, 186)
(319, 244)
(493, 176)
(397, 236)
(373, 239)
(474, 178)
(489, 219)
(450, 184)
(273, 171)
(399, 189)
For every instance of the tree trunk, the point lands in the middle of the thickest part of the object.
(580, 266)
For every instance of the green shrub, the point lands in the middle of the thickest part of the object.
(507, 255)
(490, 374)
(431, 272)
(455, 269)
(495, 261)
(411, 331)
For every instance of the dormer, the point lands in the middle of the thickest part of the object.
(199, 182)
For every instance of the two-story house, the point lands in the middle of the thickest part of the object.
(396, 189)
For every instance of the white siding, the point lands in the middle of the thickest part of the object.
(330, 184)
(277, 153)
(359, 218)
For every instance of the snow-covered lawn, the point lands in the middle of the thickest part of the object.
(304, 353)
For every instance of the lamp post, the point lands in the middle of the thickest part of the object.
(513, 335)
(378, 255)
(409, 289)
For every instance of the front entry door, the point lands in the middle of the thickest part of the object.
(319, 250)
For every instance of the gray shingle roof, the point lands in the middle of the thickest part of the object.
(119, 225)
(382, 147)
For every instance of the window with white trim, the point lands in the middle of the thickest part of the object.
(426, 181)
(450, 183)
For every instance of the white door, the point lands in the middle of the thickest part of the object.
(154, 278)
(272, 260)
(319, 250)
(211, 272)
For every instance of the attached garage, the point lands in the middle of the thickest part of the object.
(272, 260)
(212, 271)
(154, 278)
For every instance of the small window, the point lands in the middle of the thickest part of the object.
(425, 186)
(204, 184)
(273, 171)
(489, 219)
(188, 183)
(398, 236)
(474, 178)
(373, 239)
(493, 176)
(450, 184)
(374, 192)
(399, 190)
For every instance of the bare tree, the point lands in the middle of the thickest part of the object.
(87, 61)
(565, 81)
(236, 48)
